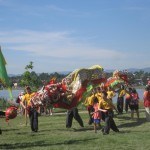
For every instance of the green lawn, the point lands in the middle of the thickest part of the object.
(53, 135)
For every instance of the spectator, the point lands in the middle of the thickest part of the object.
(134, 103)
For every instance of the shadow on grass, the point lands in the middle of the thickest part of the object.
(83, 129)
(7, 130)
(132, 124)
(68, 129)
(42, 144)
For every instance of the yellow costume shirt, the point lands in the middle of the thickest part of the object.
(110, 94)
(121, 93)
(99, 96)
(106, 104)
(27, 97)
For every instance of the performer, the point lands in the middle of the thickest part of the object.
(32, 111)
(73, 113)
(134, 103)
(128, 99)
(89, 103)
(120, 99)
(110, 93)
(106, 107)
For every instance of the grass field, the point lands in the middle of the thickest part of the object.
(52, 135)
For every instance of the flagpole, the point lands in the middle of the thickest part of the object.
(26, 122)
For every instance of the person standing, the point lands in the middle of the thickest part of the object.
(18, 101)
(96, 115)
(89, 104)
(146, 97)
(106, 107)
(120, 99)
(32, 110)
(134, 103)
(73, 113)
(110, 93)
(128, 99)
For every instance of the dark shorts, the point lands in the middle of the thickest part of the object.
(134, 107)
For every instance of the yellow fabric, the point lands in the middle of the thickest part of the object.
(110, 94)
(87, 70)
(86, 102)
(91, 99)
(127, 96)
(106, 104)
(27, 98)
(99, 96)
(121, 93)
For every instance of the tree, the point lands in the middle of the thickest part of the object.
(30, 78)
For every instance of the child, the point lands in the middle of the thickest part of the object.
(96, 114)
(134, 103)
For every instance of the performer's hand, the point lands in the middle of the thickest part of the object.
(104, 110)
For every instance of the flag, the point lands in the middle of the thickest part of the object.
(4, 80)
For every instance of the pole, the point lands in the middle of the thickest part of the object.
(26, 122)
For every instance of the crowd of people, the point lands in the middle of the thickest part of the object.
(99, 105)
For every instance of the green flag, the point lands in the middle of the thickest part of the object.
(3, 74)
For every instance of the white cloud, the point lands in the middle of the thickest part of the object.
(62, 51)
(54, 44)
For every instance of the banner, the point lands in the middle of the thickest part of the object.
(4, 80)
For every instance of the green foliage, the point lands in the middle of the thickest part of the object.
(30, 66)
(30, 78)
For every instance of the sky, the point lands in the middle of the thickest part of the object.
(64, 35)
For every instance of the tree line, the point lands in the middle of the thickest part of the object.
(30, 77)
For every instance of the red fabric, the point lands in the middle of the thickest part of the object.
(124, 77)
(63, 102)
(96, 115)
(146, 99)
(98, 81)
(89, 108)
(135, 96)
(52, 81)
(128, 96)
(11, 113)
(76, 99)
(109, 82)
